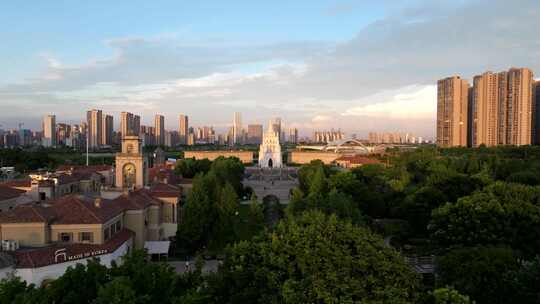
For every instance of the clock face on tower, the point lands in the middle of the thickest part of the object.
(129, 175)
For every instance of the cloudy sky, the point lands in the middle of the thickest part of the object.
(357, 65)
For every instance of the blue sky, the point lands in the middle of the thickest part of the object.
(358, 65)
(74, 31)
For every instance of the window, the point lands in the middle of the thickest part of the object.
(118, 226)
(86, 237)
(107, 233)
(65, 237)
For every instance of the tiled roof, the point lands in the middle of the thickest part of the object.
(74, 209)
(165, 190)
(67, 179)
(40, 257)
(21, 183)
(29, 213)
(163, 174)
(77, 209)
(136, 200)
(92, 168)
(9, 193)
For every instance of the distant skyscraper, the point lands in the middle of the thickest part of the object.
(49, 131)
(107, 129)
(126, 124)
(183, 130)
(293, 135)
(255, 134)
(159, 126)
(237, 128)
(452, 106)
(328, 136)
(136, 129)
(276, 125)
(95, 123)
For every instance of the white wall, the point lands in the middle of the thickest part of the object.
(38, 275)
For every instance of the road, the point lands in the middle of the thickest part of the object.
(180, 266)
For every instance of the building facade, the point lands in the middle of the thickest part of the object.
(107, 130)
(503, 108)
(452, 112)
(49, 131)
(255, 134)
(94, 119)
(183, 129)
(131, 164)
(237, 128)
(159, 127)
(270, 149)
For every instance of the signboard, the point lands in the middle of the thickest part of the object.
(61, 256)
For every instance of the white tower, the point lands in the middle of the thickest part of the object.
(270, 149)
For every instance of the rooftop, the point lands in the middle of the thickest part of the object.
(54, 254)
(7, 192)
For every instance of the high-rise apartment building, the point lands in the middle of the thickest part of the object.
(126, 124)
(107, 129)
(485, 110)
(519, 107)
(136, 129)
(503, 108)
(452, 106)
(328, 136)
(276, 124)
(95, 123)
(49, 131)
(293, 135)
(255, 134)
(237, 128)
(536, 114)
(183, 130)
(159, 126)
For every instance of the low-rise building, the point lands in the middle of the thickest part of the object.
(11, 197)
(245, 157)
(45, 238)
(354, 161)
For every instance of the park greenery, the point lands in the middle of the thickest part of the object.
(343, 238)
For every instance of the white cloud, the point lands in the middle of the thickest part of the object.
(321, 118)
(407, 103)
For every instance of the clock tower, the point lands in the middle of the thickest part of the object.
(131, 165)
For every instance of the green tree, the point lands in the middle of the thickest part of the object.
(314, 258)
(447, 296)
(501, 214)
(223, 227)
(15, 291)
(479, 272)
(79, 284)
(118, 291)
(198, 214)
(526, 282)
(255, 216)
(229, 170)
(151, 282)
(190, 167)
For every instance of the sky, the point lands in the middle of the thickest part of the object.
(359, 65)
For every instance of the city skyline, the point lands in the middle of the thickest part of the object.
(350, 65)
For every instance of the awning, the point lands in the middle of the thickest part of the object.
(157, 247)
